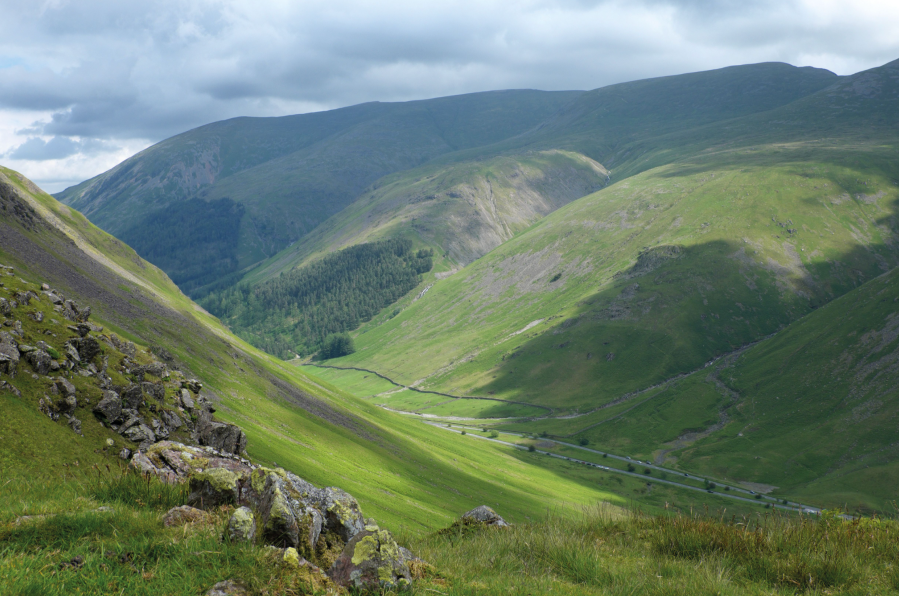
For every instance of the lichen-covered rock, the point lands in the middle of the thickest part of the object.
(340, 511)
(242, 525)
(280, 526)
(212, 488)
(39, 361)
(179, 516)
(372, 560)
(110, 407)
(484, 515)
(9, 355)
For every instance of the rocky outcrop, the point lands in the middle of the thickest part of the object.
(219, 435)
(9, 355)
(278, 508)
(110, 407)
(484, 516)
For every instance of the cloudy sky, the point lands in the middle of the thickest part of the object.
(85, 84)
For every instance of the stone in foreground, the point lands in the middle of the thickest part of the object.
(372, 560)
(179, 516)
(484, 515)
(242, 525)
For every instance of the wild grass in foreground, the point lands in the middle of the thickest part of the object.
(604, 552)
(107, 537)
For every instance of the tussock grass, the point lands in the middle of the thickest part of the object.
(132, 488)
(607, 551)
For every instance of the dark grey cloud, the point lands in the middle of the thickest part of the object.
(138, 72)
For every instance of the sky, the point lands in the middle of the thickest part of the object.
(86, 84)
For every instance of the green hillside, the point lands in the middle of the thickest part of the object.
(592, 309)
(286, 174)
(410, 477)
(462, 211)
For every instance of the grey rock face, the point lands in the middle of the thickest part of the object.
(110, 407)
(125, 347)
(187, 401)
(71, 353)
(64, 386)
(133, 397)
(213, 487)
(141, 434)
(484, 515)
(219, 435)
(9, 354)
(75, 425)
(171, 420)
(39, 361)
(154, 390)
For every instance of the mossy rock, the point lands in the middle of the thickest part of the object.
(213, 488)
(372, 560)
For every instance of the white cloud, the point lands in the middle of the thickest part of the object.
(132, 73)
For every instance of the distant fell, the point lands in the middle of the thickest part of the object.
(288, 174)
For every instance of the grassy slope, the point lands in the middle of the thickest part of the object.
(463, 210)
(617, 321)
(291, 173)
(736, 275)
(403, 473)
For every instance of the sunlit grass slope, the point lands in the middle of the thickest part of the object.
(650, 277)
(403, 473)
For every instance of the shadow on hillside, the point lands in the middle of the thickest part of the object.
(675, 309)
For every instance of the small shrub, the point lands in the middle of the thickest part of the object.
(463, 432)
(605, 455)
(758, 497)
(555, 278)
(531, 448)
(493, 434)
(647, 471)
(631, 468)
(583, 441)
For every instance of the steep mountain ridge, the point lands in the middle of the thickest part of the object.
(462, 211)
(290, 173)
